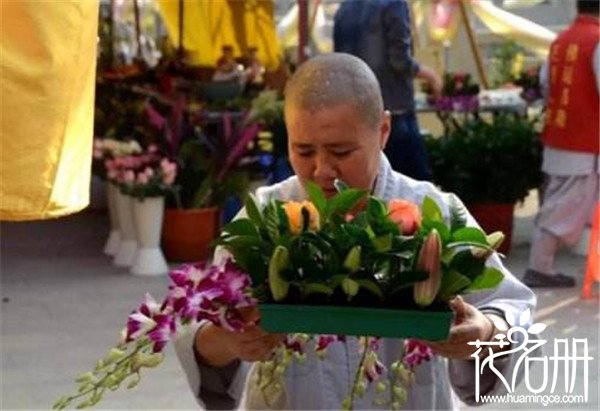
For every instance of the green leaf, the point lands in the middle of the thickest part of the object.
(466, 264)
(431, 211)
(271, 221)
(468, 244)
(453, 283)
(279, 260)
(376, 209)
(315, 194)
(441, 228)
(345, 201)
(317, 288)
(490, 278)
(370, 286)
(383, 243)
(407, 279)
(469, 234)
(253, 210)
(241, 226)
(350, 287)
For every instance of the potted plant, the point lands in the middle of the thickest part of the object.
(490, 165)
(208, 154)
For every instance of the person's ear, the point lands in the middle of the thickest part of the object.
(385, 128)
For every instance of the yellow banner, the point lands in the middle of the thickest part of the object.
(209, 25)
(48, 60)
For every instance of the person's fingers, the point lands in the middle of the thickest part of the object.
(464, 332)
(250, 315)
(458, 305)
(256, 352)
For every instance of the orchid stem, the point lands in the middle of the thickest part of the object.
(358, 372)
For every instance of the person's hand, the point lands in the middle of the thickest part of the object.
(433, 79)
(469, 324)
(219, 347)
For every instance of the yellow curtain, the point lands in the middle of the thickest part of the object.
(211, 24)
(48, 68)
(525, 32)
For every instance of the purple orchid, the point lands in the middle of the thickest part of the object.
(416, 352)
(142, 321)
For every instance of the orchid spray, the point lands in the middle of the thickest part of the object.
(197, 292)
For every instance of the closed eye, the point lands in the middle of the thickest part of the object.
(303, 153)
(342, 153)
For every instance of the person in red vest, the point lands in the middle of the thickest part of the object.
(571, 145)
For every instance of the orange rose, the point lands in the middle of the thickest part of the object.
(293, 211)
(406, 214)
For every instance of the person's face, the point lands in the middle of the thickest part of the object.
(335, 143)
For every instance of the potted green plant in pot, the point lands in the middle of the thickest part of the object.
(209, 173)
(490, 165)
(206, 184)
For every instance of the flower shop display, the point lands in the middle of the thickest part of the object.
(476, 160)
(144, 180)
(208, 148)
(352, 253)
(529, 81)
(509, 71)
(459, 93)
(106, 148)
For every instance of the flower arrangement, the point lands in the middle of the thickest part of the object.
(141, 175)
(529, 80)
(321, 252)
(314, 252)
(459, 93)
(108, 148)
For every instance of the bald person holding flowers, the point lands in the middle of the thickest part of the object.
(337, 128)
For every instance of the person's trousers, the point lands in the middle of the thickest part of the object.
(567, 206)
(406, 148)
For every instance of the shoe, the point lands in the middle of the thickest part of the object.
(534, 279)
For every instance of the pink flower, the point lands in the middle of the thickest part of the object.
(128, 176)
(406, 215)
(416, 352)
(153, 148)
(169, 179)
(149, 172)
(142, 178)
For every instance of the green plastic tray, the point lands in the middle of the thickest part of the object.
(315, 319)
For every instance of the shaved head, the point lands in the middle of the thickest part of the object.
(336, 79)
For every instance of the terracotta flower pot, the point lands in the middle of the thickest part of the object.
(495, 217)
(187, 234)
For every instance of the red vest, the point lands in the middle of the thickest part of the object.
(572, 119)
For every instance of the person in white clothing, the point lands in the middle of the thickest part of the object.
(338, 128)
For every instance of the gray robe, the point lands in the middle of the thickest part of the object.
(322, 384)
